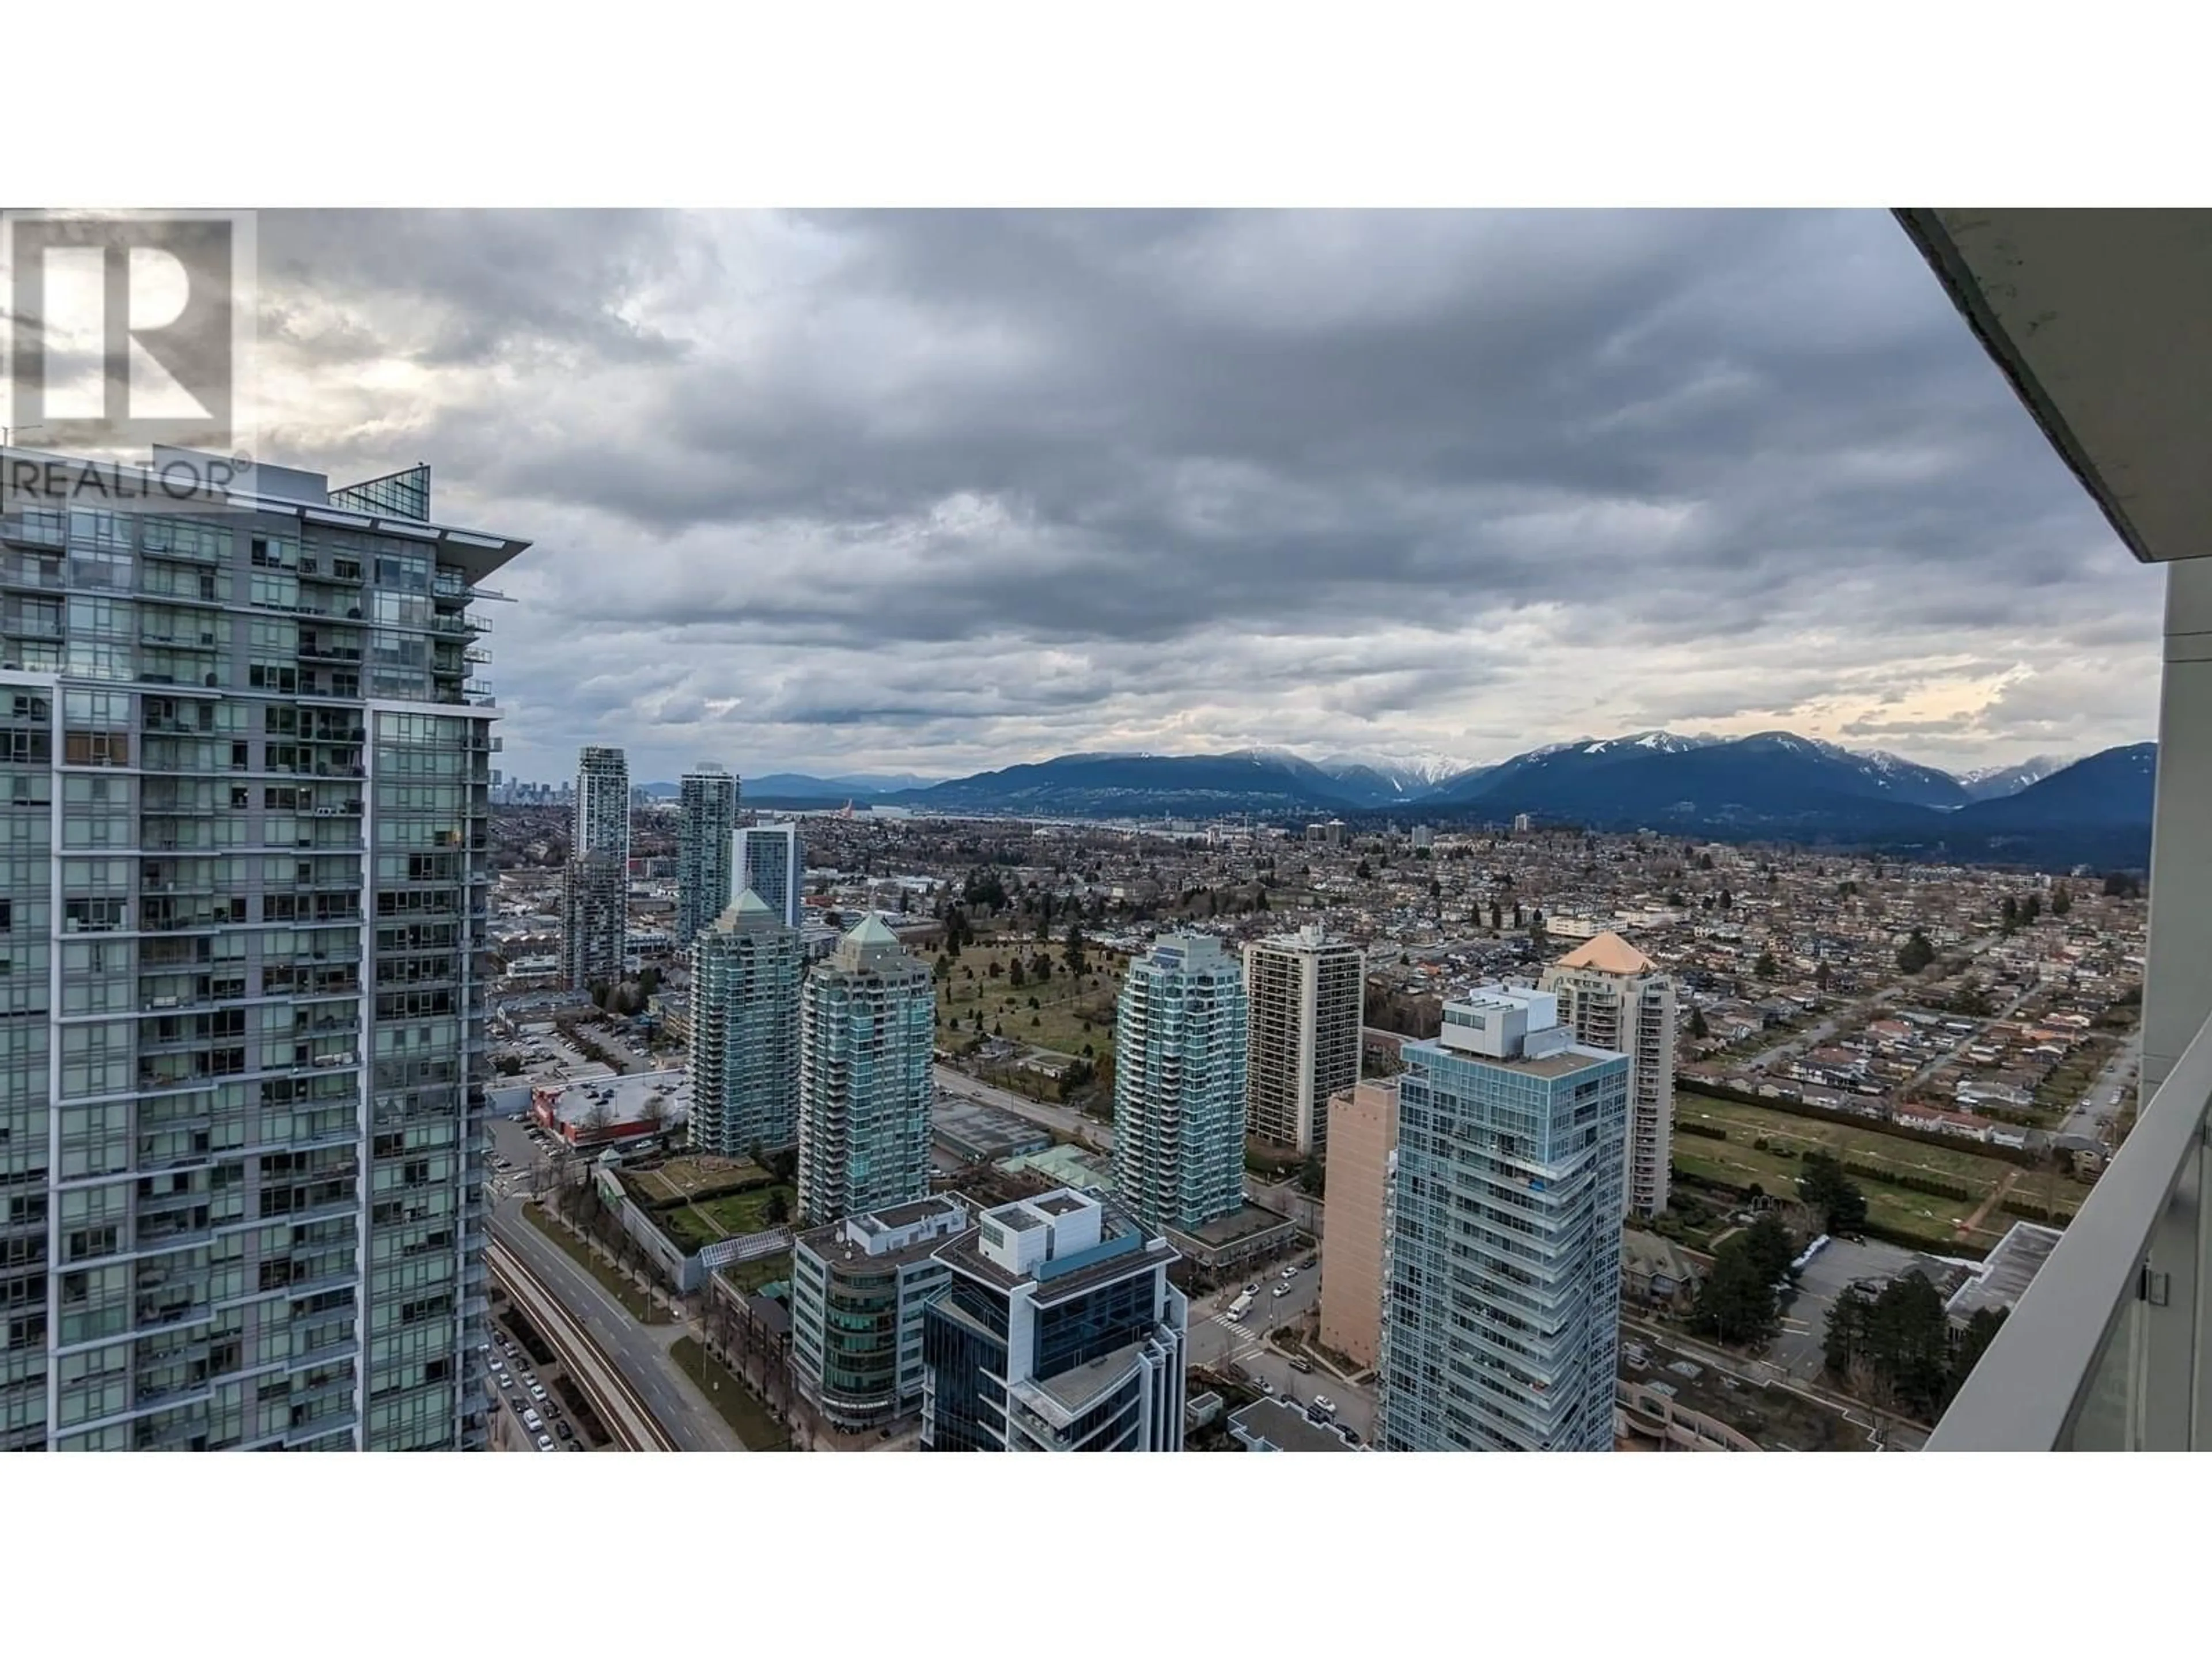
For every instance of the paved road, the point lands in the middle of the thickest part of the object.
(639, 1352)
(1214, 1341)
(2094, 1116)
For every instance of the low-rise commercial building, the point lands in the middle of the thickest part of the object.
(859, 1288)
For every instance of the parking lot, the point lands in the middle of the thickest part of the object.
(1798, 1347)
(539, 1406)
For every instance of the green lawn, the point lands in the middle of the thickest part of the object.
(739, 1409)
(763, 1270)
(746, 1212)
(1930, 1216)
(642, 1307)
(1064, 1002)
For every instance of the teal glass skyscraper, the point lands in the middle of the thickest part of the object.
(1501, 1314)
(868, 1038)
(746, 973)
(1179, 1072)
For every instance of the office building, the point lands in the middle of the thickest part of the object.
(1523, 823)
(867, 1040)
(747, 972)
(1057, 1332)
(1501, 1324)
(1612, 996)
(859, 1288)
(770, 860)
(1305, 994)
(1363, 1140)
(595, 918)
(242, 966)
(706, 825)
(1179, 1085)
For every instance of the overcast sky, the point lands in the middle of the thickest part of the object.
(928, 494)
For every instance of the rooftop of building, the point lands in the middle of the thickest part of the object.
(1074, 1391)
(2005, 1276)
(1114, 1260)
(625, 1096)
(1287, 1428)
(1242, 1222)
(1609, 953)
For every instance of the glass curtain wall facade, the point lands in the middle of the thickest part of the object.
(243, 868)
(1501, 1321)
(867, 1039)
(595, 920)
(1179, 1085)
(771, 860)
(747, 973)
(707, 819)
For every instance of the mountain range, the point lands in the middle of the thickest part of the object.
(1773, 784)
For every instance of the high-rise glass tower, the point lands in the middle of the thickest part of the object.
(746, 973)
(595, 930)
(1306, 993)
(1615, 997)
(707, 818)
(771, 861)
(867, 1040)
(243, 925)
(1179, 1060)
(1059, 1332)
(1501, 1322)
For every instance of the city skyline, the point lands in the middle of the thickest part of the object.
(875, 449)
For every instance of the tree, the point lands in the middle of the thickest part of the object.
(994, 970)
(1771, 1247)
(1915, 954)
(1364, 871)
(1736, 1301)
(2121, 884)
(1821, 974)
(1698, 1026)
(778, 1210)
(1765, 967)
(1071, 952)
(2031, 909)
(941, 970)
(1727, 900)
(1496, 921)
(2061, 900)
(1015, 977)
(1831, 1194)
(2010, 917)
(1041, 969)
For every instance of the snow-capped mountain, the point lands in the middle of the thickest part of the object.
(1995, 782)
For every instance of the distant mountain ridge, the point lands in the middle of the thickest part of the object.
(1775, 784)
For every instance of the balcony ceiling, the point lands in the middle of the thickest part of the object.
(2102, 320)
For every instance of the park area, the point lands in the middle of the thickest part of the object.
(698, 1200)
(1071, 1012)
(1938, 1197)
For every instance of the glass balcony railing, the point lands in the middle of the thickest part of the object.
(2111, 1348)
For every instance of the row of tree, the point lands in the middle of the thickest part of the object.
(1895, 1346)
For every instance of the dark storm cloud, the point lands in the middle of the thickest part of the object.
(1407, 482)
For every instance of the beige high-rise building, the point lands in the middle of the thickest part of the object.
(1363, 1136)
(1306, 993)
(1615, 997)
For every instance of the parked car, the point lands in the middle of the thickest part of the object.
(537, 1391)
(564, 1432)
(497, 1366)
(1282, 1290)
(1323, 1404)
(532, 1421)
(545, 1443)
(1300, 1363)
(1252, 1290)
